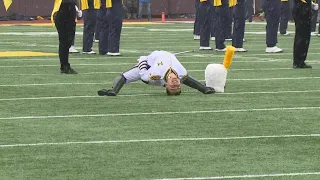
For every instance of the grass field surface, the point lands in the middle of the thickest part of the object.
(53, 127)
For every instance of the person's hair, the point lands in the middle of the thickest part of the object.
(169, 93)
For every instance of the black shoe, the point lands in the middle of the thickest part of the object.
(304, 65)
(209, 90)
(68, 70)
(105, 92)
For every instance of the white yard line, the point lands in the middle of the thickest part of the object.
(118, 72)
(135, 95)
(245, 176)
(158, 113)
(119, 64)
(98, 83)
(249, 57)
(160, 140)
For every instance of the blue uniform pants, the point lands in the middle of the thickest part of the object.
(249, 10)
(89, 19)
(239, 24)
(302, 18)
(214, 22)
(285, 11)
(272, 14)
(196, 26)
(314, 20)
(228, 32)
(205, 9)
(223, 17)
(109, 40)
(100, 14)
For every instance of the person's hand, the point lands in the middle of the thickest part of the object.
(79, 12)
(315, 6)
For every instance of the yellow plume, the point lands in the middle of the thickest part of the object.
(7, 4)
(227, 61)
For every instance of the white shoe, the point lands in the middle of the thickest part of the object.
(91, 52)
(113, 54)
(314, 34)
(221, 50)
(274, 49)
(241, 50)
(196, 37)
(213, 38)
(205, 48)
(286, 34)
(73, 50)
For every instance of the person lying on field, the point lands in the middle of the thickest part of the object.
(160, 68)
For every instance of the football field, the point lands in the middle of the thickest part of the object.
(54, 127)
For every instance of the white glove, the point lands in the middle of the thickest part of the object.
(79, 12)
(315, 6)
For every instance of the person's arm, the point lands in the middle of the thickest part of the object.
(315, 6)
(79, 12)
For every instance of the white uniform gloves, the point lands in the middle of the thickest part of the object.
(79, 12)
(315, 6)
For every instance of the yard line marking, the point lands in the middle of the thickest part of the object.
(133, 63)
(156, 113)
(269, 79)
(119, 64)
(135, 95)
(278, 54)
(244, 176)
(160, 140)
(247, 56)
(104, 83)
(110, 72)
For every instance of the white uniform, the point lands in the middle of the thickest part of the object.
(153, 68)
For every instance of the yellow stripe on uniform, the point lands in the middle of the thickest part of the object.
(109, 3)
(304, 1)
(217, 3)
(7, 4)
(97, 4)
(85, 4)
(56, 7)
(284, 0)
(232, 3)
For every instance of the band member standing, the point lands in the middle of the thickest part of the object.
(64, 16)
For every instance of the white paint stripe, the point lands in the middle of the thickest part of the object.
(119, 64)
(267, 60)
(100, 83)
(135, 95)
(245, 176)
(157, 113)
(270, 79)
(110, 72)
(160, 140)
(278, 54)
(45, 59)
(249, 58)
